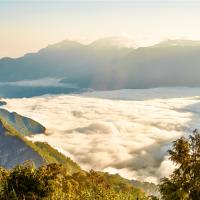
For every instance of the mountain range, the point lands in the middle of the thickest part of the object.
(102, 65)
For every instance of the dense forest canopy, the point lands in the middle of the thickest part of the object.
(184, 182)
(53, 182)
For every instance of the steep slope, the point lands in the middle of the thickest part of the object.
(15, 148)
(24, 125)
(57, 157)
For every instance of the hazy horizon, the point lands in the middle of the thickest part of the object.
(32, 25)
(120, 41)
(106, 85)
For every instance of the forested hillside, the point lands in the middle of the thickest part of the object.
(49, 175)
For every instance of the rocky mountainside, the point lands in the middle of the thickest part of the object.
(23, 125)
(16, 149)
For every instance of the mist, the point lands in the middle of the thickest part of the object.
(69, 66)
(43, 82)
(123, 131)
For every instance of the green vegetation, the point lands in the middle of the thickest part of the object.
(53, 182)
(57, 157)
(59, 178)
(55, 177)
(184, 182)
(45, 153)
(24, 125)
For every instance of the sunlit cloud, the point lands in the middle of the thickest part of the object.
(125, 131)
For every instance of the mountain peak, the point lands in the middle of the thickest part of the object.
(63, 45)
(114, 42)
(178, 42)
(66, 43)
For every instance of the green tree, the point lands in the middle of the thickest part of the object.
(184, 182)
(53, 182)
(25, 182)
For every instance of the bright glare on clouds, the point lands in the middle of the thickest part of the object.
(126, 132)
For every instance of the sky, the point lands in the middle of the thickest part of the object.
(27, 26)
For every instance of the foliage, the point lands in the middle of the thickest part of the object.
(24, 125)
(184, 182)
(59, 178)
(58, 157)
(53, 182)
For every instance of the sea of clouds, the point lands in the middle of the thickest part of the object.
(123, 131)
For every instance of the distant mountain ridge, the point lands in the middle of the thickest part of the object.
(181, 42)
(102, 65)
(120, 42)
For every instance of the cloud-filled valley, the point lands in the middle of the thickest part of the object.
(123, 131)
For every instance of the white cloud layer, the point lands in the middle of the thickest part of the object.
(126, 132)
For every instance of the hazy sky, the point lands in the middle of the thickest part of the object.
(26, 26)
